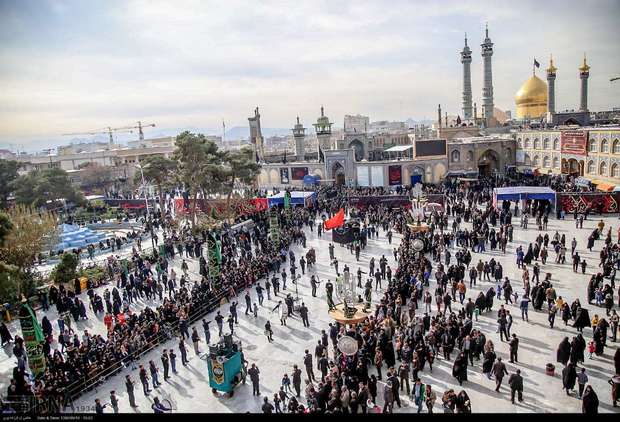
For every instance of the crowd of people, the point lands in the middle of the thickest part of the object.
(412, 324)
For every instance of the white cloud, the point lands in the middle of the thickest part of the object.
(195, 62)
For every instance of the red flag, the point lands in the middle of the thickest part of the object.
(336, 221)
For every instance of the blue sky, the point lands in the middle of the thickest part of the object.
(68, 66)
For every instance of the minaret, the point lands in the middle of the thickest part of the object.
(439, 115)
(584, 74)
(551, 87)
(256, 136)
(466, 60)
(487, 87)
(323, 129)
(299, 134)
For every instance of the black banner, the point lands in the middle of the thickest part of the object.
(395, 175)
(595, 201)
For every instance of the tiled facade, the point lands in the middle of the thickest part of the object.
(541, 149)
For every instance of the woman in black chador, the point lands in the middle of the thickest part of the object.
(563, 354)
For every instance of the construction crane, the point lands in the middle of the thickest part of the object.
(107, 130)
(139, 127)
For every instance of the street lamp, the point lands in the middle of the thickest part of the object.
(146, 200)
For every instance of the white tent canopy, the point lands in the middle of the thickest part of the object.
(399, 148)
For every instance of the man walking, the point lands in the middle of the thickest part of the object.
(499, 370)
(516, 386)
(253, 373)
(303, 311)
(219, 320)
(514, 348)
(308, 365)
(297, 380)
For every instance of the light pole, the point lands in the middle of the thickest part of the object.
(146, 201)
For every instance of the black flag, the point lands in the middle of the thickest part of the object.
(536, 63)
(321, 155)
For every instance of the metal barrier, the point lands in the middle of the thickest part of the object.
(162, 336)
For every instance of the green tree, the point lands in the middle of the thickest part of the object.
(29, 233)
(5, 227)
(39, 187)
(65, 270)
(160, 170)
(8, 174)
(241, 168)
(198, 159)
(95, 178)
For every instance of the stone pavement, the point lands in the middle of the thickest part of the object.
(189, 390)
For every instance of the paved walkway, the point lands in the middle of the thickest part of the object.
(189, 390)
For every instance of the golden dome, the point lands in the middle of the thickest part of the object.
(531, 99)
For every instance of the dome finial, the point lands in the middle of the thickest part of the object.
(584, 67)
(466, 39)
(551, 68)
(486, 30)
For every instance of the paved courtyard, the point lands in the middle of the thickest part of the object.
(189, 390)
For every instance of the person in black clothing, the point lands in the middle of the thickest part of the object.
(253, 372)
(165, 363)
(219, 319)
(144, 379)
(297, 380)
(267, 407)
(183, 351)
(516, 386)
(129, 384)
(514, 348)
(303, 311)
(308, 365)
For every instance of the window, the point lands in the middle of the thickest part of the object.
(590, 167)
(456, 156)
(556, 163)
(536, 161)
(526, 160)
(527, 143)
(520, 143)
(616, 149)
(536, 143)
(556, 144)
(592, 145)
(604, 145)
(615, 170)
(470, 156)
(603, 169)
(508, 153)
(546, 162)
